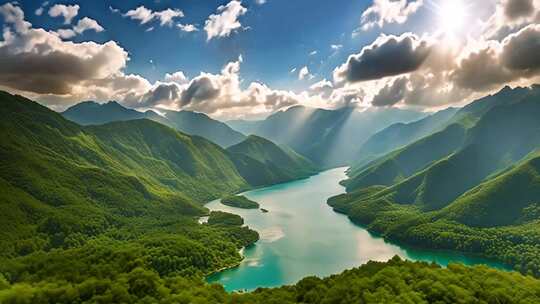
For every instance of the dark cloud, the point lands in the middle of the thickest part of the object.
(391, 94)
(481, 71)
(200, 89)
(514, 9)
(490, 67)
(163, 93)
(387, 56)
(53, 71)
(38, 61)
(522, 50)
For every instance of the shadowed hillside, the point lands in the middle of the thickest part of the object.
(92, 113)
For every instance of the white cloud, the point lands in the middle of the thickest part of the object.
(86, 24)
(67, 11)
(336, 47)
(83, 25)
(14, 15)
(166, 16)
(260, 2)
(39, 11)
(226, 21)
(187, 27)
(388, 11)
(145, 15)
(176, 77)
(304, 74)
(313, 53)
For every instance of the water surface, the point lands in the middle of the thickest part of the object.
(301, 235)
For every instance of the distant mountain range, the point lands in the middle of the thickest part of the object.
(470, 186)
(329, 138)
(92, 113)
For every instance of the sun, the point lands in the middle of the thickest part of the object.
(452, 16)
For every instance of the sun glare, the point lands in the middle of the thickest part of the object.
(452, 16)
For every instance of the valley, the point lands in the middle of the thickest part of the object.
(302, 236)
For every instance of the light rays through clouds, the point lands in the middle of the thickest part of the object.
(455, 52)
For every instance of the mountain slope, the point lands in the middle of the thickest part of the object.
(406, 161)
(508, 199)
(61, 176)
(482, 198)
(92, 113)
(329, 138)
(261, 162)
(401, 134)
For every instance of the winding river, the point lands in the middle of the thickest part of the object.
(301, 235)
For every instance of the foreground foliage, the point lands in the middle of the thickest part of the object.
(123, 278)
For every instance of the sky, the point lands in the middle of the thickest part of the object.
(246, 59)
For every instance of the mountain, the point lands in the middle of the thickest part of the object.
(404, 162)
(88, 178)
(261, 162)
(329, 138)
(510, 198)
(401, 134)
(92, 113)
(202, 125)
(413, 157)
(479, 194)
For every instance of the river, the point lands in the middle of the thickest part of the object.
(301, 235)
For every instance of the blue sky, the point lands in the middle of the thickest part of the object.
(280, 37)
(252, 57)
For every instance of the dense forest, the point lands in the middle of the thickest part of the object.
(106, 274)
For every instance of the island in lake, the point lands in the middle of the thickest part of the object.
(239, 201)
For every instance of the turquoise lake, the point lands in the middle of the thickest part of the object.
(301, 236)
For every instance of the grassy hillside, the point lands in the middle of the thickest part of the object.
(261, 162)
(482, 198)
(92, 113)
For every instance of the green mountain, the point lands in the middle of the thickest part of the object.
(87, 179)
(404, 162)
(329, 138)
(480, 198)
(92, 113)
(401, 134)
(510, 198)
(261, 162)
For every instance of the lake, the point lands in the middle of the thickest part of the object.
(301, 235)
